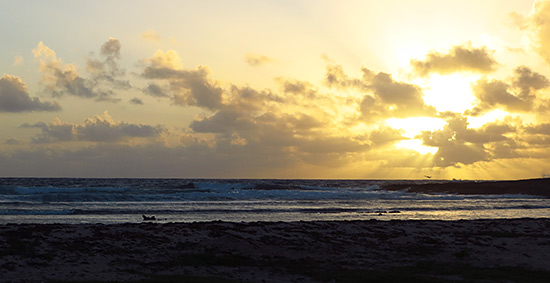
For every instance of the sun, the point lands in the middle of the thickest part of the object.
(445, 93)
(412, 127)
(449, 92)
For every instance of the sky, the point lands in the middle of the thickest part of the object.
(275, 89)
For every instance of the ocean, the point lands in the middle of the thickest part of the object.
(117, 200)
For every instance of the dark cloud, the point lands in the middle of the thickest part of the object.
(53, 132)
(452, 148)
(136, 101)
(98, 129)
(111, 48)
(189, 87)
(335, 77)
(249, 100)
(490, 132)
(528, 81)
(393, 92)
(105, 129)
(15, 98)
(392, 98)
(331, 145)
(195, 88)
(459, 58)
(303, 121)
(494, 94)
(520, 95)
(542, 129)
(452, 154)
(13, 141)
(155, 90)
(299, 87)
(223, 121)
(257, 60)
(385, 135)
(458, 144)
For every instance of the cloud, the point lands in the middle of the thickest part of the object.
(296, 87)
(60, 78)
(247, 99)
(452, 148)
(111, 48)
(188, 87)
(195, 88)
(255, 60)
(392, 98)
(108, 71)
(332, 144)
(458, 144)
(385, 135)
(150, 35)
(494, 94)
(454, 153)
(169, 60)
(155, 90)
(136, 101)
(541, 129)
(393, 92)
(254, 123)
(101, 128)
(458, 59)
(528, 81)
(15, 98)
(335, 77)
(383, 97)
(53, 132)
(540, 26)
(13, 141)
(18, 60)
(223, 121)
(519, 96)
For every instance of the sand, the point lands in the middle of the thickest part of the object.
(514, 250)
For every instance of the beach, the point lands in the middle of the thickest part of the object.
(516, 250)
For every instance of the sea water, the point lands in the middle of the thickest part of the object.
(80, 200)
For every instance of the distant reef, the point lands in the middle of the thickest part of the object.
(539, 187)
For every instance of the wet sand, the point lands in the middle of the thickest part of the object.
(516, 250)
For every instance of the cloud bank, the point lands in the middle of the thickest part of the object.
(101, 128)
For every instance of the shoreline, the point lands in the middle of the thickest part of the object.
(323, 251)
